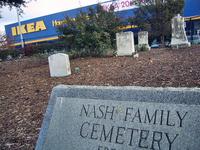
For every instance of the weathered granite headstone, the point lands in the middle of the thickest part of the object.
(121, 118)
(179, 38)
(143, 41)
(125, 44)
(59, 65)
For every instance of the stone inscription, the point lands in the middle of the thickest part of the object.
(117, 125)
(115, 134)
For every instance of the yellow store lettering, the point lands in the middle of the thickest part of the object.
(29, 28)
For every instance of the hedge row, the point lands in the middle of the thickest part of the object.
(31, 50)
(9, 52)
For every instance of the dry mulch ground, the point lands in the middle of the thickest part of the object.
(25, 85)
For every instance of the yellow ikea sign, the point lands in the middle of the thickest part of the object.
(29, 28)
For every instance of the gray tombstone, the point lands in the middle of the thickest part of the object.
(179, 38)
(121, 118)
(125, 44)
(143, 41)
(59, 65)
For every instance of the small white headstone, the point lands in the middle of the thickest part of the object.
(179, 37)
(59, 65)
(125, 43)
(143, 40)
(136, 55)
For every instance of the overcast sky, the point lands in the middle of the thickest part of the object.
(38, 8)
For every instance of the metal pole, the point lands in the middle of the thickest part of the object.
(20, 32)
(80, 3)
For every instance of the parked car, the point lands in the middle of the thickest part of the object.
(194, 40)
(155, 44)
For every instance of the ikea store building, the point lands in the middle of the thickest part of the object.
(44, 29)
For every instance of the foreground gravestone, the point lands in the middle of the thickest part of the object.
(125, 44)
(143, 42)
(121, 118)
(59, 65)
(179, 38)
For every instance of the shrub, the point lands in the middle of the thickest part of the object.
(51, 47)
(12, 52)
(30, 50)
(91, 33)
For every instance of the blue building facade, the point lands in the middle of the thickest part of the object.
(44, 28)
(39, 29)
(192, 15)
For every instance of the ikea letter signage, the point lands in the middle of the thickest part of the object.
(29, 28)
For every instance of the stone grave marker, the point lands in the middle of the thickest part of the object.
(143, 41)
(59, 65)
(121, 118)
(125, 44)
(179, 38)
